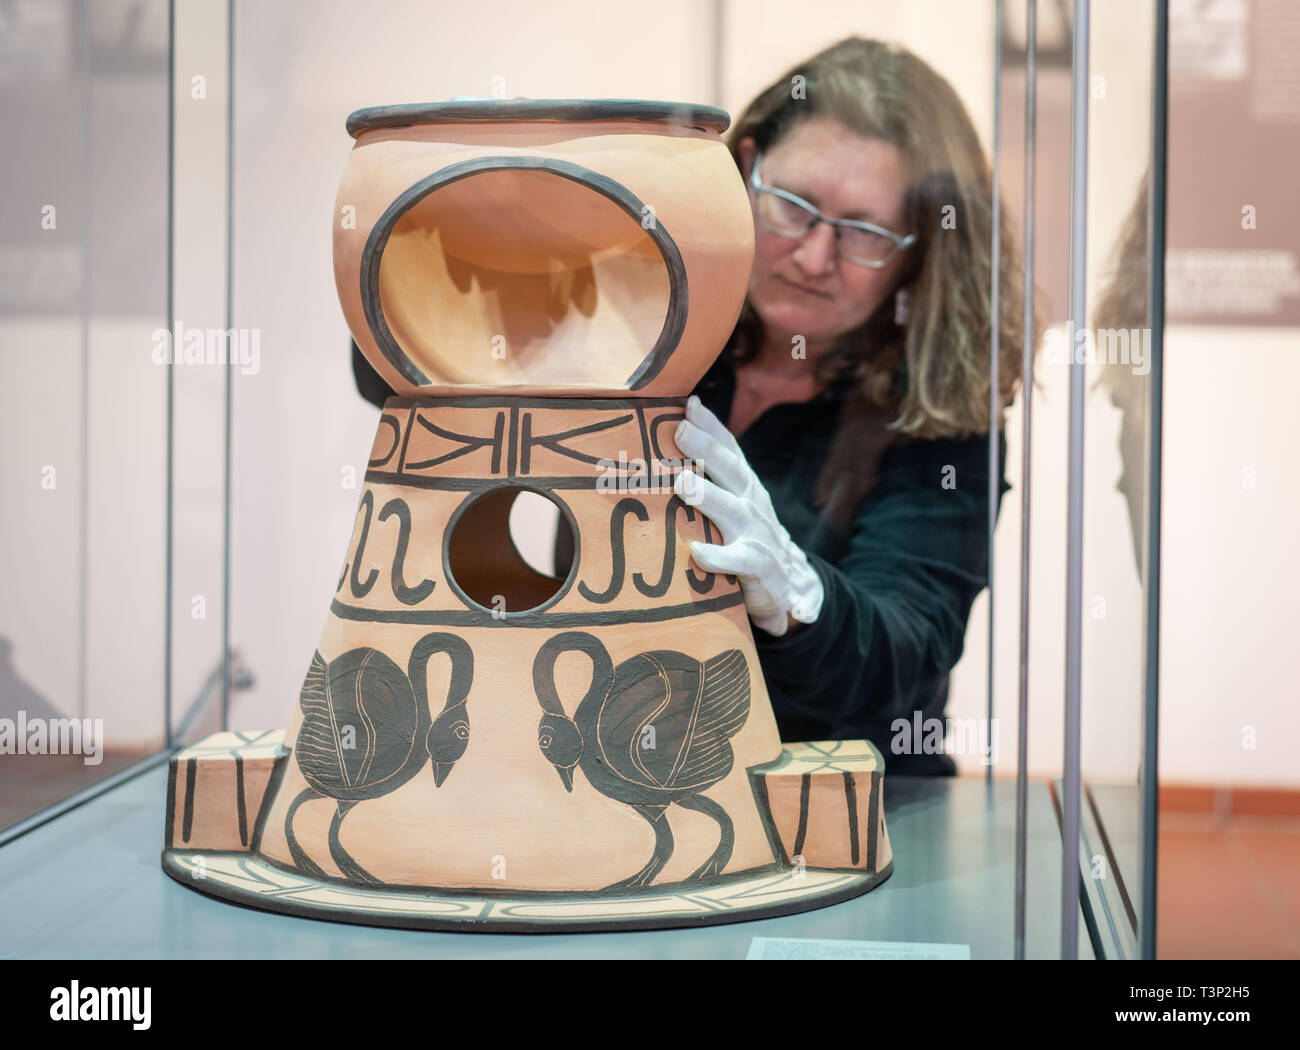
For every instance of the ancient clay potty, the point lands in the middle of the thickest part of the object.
(479, 745)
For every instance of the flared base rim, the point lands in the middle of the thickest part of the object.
(250, 880)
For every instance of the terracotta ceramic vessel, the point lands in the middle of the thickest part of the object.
(478, 744)
(542, 247)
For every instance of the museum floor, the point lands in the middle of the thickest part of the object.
(1227, 886)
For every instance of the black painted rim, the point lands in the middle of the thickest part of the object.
(372, 255)
(680, 114)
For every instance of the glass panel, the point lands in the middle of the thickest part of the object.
(1116, 483)
(83, 407)
(210, 362)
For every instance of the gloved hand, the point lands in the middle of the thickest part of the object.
(774, 573)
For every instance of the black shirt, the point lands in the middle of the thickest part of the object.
(899, 584)
(899, 581)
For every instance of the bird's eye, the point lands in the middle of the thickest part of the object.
(461, 729)
(544, 740)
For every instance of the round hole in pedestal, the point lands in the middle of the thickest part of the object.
(501, 554)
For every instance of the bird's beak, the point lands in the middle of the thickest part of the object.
(566, 777)
(441, 770)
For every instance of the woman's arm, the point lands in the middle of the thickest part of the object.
(896, 605)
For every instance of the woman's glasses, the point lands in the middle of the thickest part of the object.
(861, 243)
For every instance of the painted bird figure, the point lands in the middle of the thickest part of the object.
(367, 730)
(651, 733)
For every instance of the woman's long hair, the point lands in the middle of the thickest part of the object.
(930, 377)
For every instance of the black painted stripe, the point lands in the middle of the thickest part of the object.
(170, 828)
(514, 433)
(676, 114)
(663, 485)
(759, 784)
(805, 788)
(484, 618)
(268, 796)
(497, 431)
(240, 805)
(586, 404)
(873, 822)
(645, 436)
(187, 820)
(851, 798)
(406, 440)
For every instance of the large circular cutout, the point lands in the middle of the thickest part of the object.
(501, 551)
(520, 273)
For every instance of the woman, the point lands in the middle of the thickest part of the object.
(850, 478)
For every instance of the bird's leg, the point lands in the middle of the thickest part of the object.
(726, 839)
(351, 870)
(663, 849)
(300, 859)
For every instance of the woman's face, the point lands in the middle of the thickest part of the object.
(803, 287)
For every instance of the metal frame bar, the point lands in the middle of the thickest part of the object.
(1070, 802)
(1150, 781)
(230, 263)
(168, 587)
(86, 246)
(718, 44)
(1027, 400)
(994, 352)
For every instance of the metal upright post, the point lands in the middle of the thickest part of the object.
(1156, 285)
(85, 62)
(1070, 802)
(170, 558)
(230, 309)
(1027, 401)
(995, 317)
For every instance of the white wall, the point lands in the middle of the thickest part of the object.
(124, 468)
(1231, 596)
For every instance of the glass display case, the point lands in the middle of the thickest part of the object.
(185, 441)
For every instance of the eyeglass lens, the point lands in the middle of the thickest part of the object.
(789, 219)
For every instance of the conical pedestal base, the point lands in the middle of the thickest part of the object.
(823, 801)
(480, 746)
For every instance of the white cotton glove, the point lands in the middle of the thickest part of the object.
(774, 573)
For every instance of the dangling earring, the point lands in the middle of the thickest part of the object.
(902, 306)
